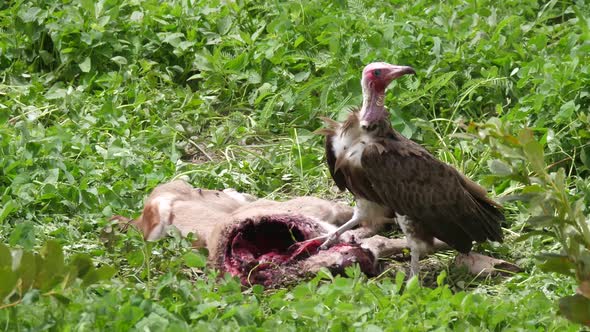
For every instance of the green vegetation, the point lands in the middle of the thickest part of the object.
(100, 101)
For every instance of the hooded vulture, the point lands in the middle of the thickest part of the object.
(392, 176)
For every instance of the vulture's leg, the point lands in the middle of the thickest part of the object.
(335, 235)
(365, 211)
(417, 245)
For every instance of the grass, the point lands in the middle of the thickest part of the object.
(102, 101)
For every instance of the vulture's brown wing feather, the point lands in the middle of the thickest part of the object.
(431, 193)
(337, 175)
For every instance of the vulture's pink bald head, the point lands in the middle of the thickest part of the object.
(378, 75)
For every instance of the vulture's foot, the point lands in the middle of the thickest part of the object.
(318, 238)
(332, 238)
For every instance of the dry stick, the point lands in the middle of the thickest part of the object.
(200, 149)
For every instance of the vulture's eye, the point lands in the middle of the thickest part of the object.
(377, 72)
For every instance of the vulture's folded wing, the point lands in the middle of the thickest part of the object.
(433, 194)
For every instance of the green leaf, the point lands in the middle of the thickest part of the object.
(499, 167)
(238, 63)
(585, 156)
(566, 111)
(82, 263)
(136, 16)
(50, 266)
(30, 15)
(23, 234)
(301, 76)
(61, 298)
(104, 272)
(412, 285)
(440, 280)
(27, 270)
(172, 38)
(556, 263)
(575, 308)
(224, 24)
(135, 257)
(31, 296)
(533, 151)
(542, 221)
(9, 207)
(530, 234)
(5, 257)
(119, 60)
(9, 279)
(52, 176)
(192, 259)
(85, 65)
(53, 255)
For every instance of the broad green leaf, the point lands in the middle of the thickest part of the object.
(136, 16)
(135, 257)
(99, 274)
(9, 279)
(31, 296)
(30, 14)
(566, 111)
(556, 263)
(440, 279)
(82, 263)
(61, 298)
(530, 234)
(5, 257)
(119, 60)
(56, 92)
(27, 270)
(23, 234)
(192, 259)
(52, 176)
(224, 24)
(576, 308)
(85, 65)
(542, 221)
(412, 285)
(585, 156)
(153, 322)
(53, 255)
(301, 76)
(8, 207)
(399, 280)
(50, 266)
(238, 63)
(172, 38)
(533, 151)
(88, 5)
(499, 167)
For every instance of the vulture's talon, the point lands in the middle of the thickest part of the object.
(332, 238)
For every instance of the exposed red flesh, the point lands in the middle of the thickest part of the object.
(256, 252)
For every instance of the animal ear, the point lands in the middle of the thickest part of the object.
(150, 218)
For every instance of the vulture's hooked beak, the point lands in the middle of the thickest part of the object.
(394, 72)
